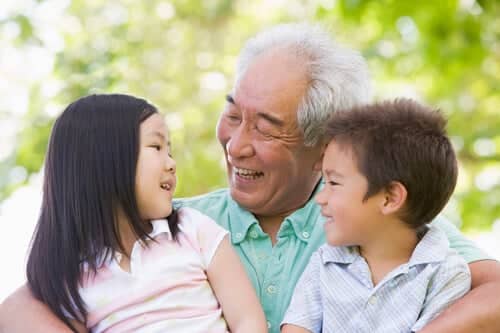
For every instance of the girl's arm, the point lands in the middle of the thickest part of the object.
(240, 305)
(289, 328)
(21, 312)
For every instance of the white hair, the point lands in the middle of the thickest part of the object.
(338, 76)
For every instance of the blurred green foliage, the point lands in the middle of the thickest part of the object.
(180, 55)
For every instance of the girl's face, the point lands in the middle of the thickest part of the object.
(155, 178)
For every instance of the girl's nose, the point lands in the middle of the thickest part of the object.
(170, 164)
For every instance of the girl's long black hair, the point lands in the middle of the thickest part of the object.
(90, 171)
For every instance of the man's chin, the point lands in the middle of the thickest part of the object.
(249, 201)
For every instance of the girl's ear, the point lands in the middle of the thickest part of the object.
(395, 196)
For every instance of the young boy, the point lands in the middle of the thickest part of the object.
(389, 169)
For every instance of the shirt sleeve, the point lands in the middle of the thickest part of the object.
(465, 247)
(451, 281)
(208, 233)
(306, 308)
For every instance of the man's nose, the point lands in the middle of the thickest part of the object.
(240, 143)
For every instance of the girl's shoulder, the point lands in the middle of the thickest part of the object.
(195, 223)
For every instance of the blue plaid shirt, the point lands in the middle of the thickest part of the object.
(336, 293)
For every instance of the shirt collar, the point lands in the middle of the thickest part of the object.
(304, 219)
(433, 247)
(240, 221)
(161, 226)
(339, 254)
(301, 222)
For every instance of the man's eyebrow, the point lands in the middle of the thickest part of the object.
(230, 99)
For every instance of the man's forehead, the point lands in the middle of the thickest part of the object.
(277, 91)
(272, 72)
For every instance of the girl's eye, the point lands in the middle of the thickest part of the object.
(157, 147)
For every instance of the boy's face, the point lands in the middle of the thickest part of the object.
(349, 219)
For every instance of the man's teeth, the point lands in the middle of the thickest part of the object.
(247, 173)
(165, 186)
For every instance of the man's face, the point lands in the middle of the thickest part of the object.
(270, 171)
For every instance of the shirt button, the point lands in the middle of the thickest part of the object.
(239, 235)
(305, 234)
(372, 300)
(271, 289)
(268, 325)
(254, 234)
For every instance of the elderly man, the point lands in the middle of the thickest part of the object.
(288, 80)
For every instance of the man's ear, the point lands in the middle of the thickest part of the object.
(395, 196)
(317, 166)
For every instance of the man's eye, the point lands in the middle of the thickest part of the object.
(264, 132)
(233, 118)
(332, 183)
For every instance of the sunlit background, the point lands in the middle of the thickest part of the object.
(180, 55)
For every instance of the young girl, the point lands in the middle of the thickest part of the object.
(109, 252)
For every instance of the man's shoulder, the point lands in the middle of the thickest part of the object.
(214, 204)
(202, 198)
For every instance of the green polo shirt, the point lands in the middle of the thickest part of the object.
(274, 270)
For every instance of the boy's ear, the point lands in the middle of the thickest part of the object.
(395, 196)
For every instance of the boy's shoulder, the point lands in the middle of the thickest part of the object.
(434, 247)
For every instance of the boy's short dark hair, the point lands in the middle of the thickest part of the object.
(402, 141)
